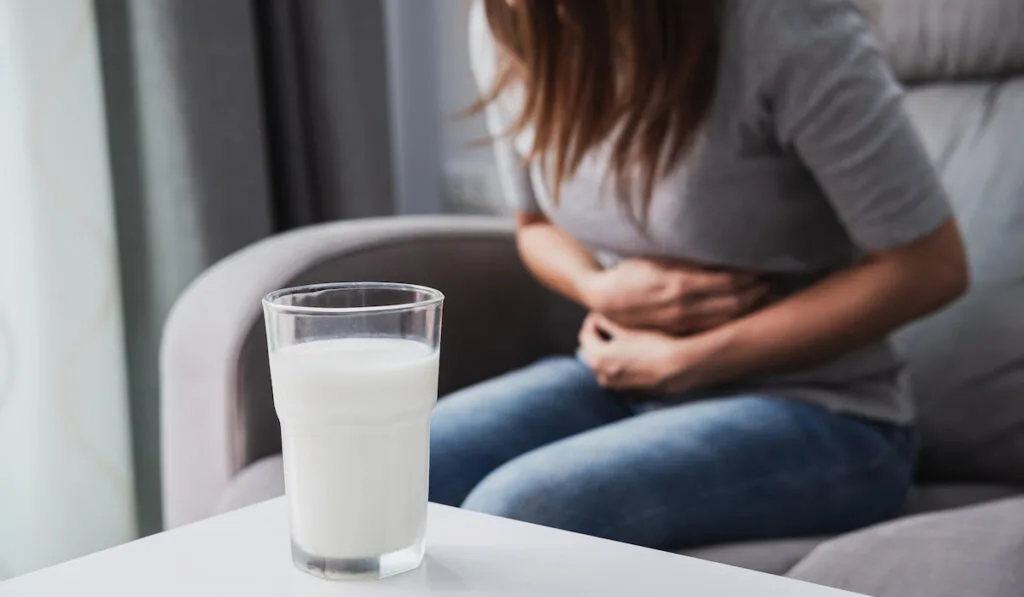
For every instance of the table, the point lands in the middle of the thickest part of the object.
(246, 554)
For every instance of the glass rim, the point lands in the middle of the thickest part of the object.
(433, 297)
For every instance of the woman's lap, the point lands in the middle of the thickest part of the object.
(477, 430)
(735, 468)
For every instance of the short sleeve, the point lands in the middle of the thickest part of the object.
(837, 105)
(514, 175)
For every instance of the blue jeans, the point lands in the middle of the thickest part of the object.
(547, 445)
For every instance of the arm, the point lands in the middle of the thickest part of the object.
(670, 296)
(556, 259)
(836, 106)
(849, 309)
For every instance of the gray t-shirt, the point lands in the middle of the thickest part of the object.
(806, 162)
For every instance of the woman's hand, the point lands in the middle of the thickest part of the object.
(670, 297)
(627, 359)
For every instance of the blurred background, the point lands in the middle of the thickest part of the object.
(140, 142)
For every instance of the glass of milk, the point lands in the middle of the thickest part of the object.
(354, 372)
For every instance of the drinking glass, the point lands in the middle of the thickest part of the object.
(354, 374)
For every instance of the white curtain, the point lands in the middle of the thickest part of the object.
(66, 486)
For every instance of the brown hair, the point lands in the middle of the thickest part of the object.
(640, 73)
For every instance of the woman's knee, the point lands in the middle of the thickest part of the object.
(478, 429)
(541, 488)
(523, 489)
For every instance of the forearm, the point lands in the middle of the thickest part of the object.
(555, 258)
(846, 311)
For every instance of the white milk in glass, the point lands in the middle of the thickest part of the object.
(355, 423)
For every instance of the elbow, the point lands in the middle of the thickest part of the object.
(949, 276)
(526, 222)
(935, 269)
(525, 219)
(951, 280)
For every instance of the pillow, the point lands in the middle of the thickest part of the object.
(975, 552)
(929, 40)
(967, 363)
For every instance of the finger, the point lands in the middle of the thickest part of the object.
(728, 305)
(711, 283)
(589, 332)
(598, 356)
(588, 356)
(593, 351)
(616, 381)
(611, 378)
(602, 322)
(705, 324)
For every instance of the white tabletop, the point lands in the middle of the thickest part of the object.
(246, 554)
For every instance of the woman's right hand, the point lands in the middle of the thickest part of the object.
(671, 296)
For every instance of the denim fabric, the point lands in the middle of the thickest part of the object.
(547, 445)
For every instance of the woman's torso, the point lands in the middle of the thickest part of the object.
(740, 200)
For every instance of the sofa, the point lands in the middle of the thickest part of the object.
(962, 532)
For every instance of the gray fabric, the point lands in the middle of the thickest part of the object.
(932, 498)
(772, 557)
(217, 412)
(928, 40)
(967, 363)
(781, 555)
(807, 159)
(975, 551)
(260, 481)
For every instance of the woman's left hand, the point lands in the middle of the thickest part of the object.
(627, 359)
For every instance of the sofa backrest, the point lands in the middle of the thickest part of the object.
(963, 64)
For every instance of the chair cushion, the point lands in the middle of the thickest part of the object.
(928, 40)
(932, 498)
(261, 481)
(779, 556)
(972, 551)
(967, 363)
(773, 557)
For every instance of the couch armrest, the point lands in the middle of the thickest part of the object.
(216, 406)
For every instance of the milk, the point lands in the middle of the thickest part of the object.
(355, 425)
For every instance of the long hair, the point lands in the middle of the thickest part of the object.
(638, 74)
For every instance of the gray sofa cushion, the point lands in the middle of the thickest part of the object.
(967, 363)
(929, 40)
(260, 481)
(779, 556)
(774, 557)
(971, 552)
(932, 498)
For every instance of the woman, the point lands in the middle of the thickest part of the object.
(734, 191)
